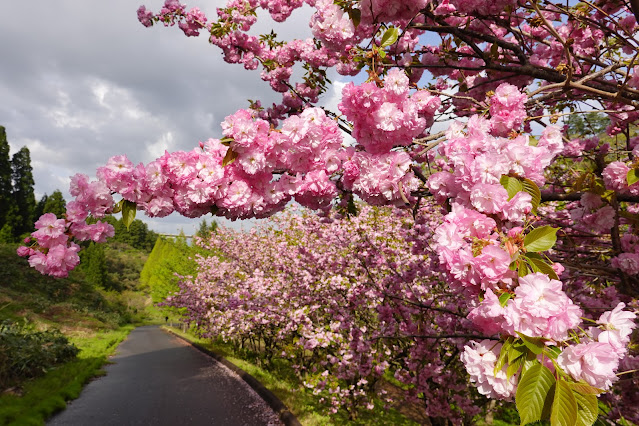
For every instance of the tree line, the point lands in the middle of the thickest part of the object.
(17, 199)
(19, 208)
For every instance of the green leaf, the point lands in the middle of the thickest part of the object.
(534, 256)
(532, 188)
(541, 239)
(534, 396)
(608, 196)
(118, 207)
(389, 37)
(587, 409)
(229, 158)
(540, 265)
(514, 367)
(523, 270)
(128, 213)
(517, 350)
(632, 176)
(585, 389)
(530, 361)
(534, 344)
(564, 405)
(552, 352)
(504, 298)
(503, 355)
(511, 184)
(226, 141)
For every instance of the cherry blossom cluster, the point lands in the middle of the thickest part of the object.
(253, 172)
(332, 25)
(387, 117)
(480, 359)
(539, 308)
(480, 241)
(596, 360)
(474, 161)
(51, 250)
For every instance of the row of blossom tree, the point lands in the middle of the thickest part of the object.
(349, 302)
(527, 211)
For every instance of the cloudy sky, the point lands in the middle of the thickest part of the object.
(81, 81)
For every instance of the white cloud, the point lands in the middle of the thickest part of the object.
(334, 97)
(86, 81)
(156, 149)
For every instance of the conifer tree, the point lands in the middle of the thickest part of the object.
(203, 231)
(23, 193)
(39, 209)
(168, 258)
(138, 235)
(5, 177)
(55, 204)
(94, 264)
(11, 223)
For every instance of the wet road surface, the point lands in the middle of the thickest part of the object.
(158, 379)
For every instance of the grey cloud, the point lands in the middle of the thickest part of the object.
(82, 81)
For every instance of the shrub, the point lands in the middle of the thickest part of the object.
(27, 353)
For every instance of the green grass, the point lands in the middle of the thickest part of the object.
(282, 381)
(94, 319)
(44, 396)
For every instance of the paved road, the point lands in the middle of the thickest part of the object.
(158, 379)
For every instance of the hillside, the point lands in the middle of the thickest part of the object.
(55, 334)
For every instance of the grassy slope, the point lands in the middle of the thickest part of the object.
(40, 398)
(93, 319)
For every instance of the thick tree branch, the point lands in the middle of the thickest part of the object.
(634, 5)
(576, 196)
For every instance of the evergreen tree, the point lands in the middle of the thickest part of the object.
(137, 236)
(6, 234)
(94, 264)
(39, 209)
(23, 194)
(11, 223)
(168, 258)
(205, 229)
(5, 177)
(55, 204)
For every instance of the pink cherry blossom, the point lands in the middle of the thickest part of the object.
(593, 362)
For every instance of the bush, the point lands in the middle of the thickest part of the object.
(27, 353)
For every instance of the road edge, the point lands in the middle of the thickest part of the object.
(285, 414)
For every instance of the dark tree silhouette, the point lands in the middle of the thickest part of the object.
(23, 193)
(5, 178)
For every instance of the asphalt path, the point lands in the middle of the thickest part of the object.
(158, 379)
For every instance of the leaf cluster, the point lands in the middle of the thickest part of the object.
(544, 395)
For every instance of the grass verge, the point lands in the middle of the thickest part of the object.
(282, 381)
(42, 397)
